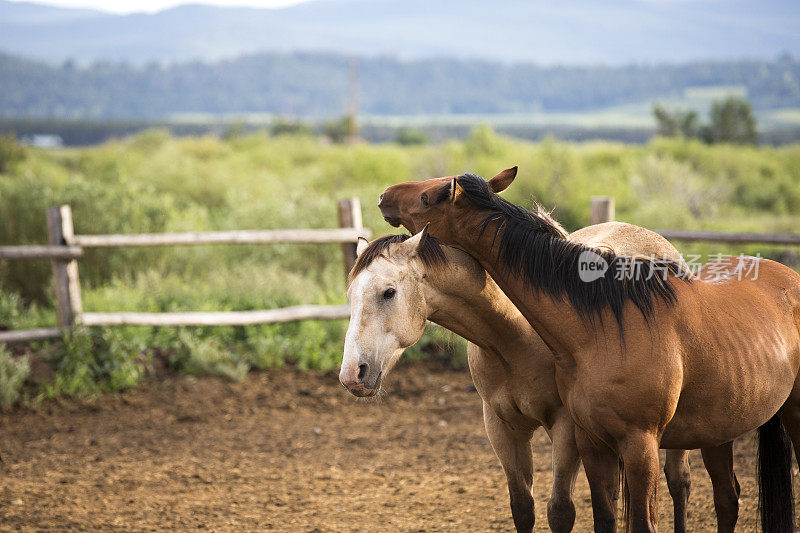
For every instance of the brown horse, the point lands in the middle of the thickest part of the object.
(399, 281)
(647, 359)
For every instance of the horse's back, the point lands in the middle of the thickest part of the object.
(626, 239)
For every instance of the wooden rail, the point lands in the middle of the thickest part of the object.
(28, 335)
(66, 247)
(317, 236)
(787, 239)
(41, 252)
(222, 318)
(602, 210)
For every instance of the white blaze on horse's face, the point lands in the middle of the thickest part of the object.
(387, 315)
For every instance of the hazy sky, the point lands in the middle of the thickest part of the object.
(130, 6)
(151, 6)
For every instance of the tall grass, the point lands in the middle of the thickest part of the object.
(154, 183)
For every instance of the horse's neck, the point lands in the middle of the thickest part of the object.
(468, 302)
(555, 320)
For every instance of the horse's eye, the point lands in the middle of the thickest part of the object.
(388, 294)
(424, 199)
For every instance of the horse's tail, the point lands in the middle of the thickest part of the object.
(775, 497)
(626, 497)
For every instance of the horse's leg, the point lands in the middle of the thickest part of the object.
(676, 469)
(601, 465)
(566, 461)
(513, 448)
(719, 464)
(639, 453)
(790, 416)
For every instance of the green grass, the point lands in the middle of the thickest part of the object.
(155, 183)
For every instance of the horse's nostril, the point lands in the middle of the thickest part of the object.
(362, 371)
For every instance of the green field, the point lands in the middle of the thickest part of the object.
(637, 114)
(154, 183)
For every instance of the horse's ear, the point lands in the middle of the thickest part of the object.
(361, 245)
(455, 190)
(501, 182)
(415, 243)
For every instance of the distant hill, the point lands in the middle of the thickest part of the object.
(572, 32)
(316, 85)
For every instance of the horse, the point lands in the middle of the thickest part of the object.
(650, 358)
(398, 282)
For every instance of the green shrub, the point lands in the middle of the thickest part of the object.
(410, 137)
(77, 370)
(483, 141)
(13, 372)
(91, 361)
(282, 126)
(11, 310)
(338, 131)
(206, 356)
(11, 153)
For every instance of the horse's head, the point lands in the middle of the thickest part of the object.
(437, 201)
(387, 308)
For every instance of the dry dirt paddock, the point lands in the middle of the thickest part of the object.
(284, 451)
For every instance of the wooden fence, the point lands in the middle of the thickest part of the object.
(602, 210)
(65, 249)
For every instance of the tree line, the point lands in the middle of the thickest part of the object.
(730, 121)
(316, 85)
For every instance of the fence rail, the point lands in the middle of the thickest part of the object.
(786, 239)
(602, 210)
(221, 318)
(29, 335)
(41, 252)
(314, 236)
(66, 248)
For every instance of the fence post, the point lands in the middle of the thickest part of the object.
(350, 217)
(65, 272)
(602, 209)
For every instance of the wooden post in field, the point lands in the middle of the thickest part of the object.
(65, 271)
(350, 217)
(602, 209)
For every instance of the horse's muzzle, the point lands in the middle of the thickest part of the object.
(362, 382)
(389, 212)
(358, 389)
(392, 221)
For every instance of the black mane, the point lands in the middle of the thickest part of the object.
(535, 246)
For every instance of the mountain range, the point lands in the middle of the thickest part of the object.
(611, 32)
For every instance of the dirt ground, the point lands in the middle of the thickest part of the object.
(285, 451)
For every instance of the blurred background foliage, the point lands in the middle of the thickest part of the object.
(152, 182)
